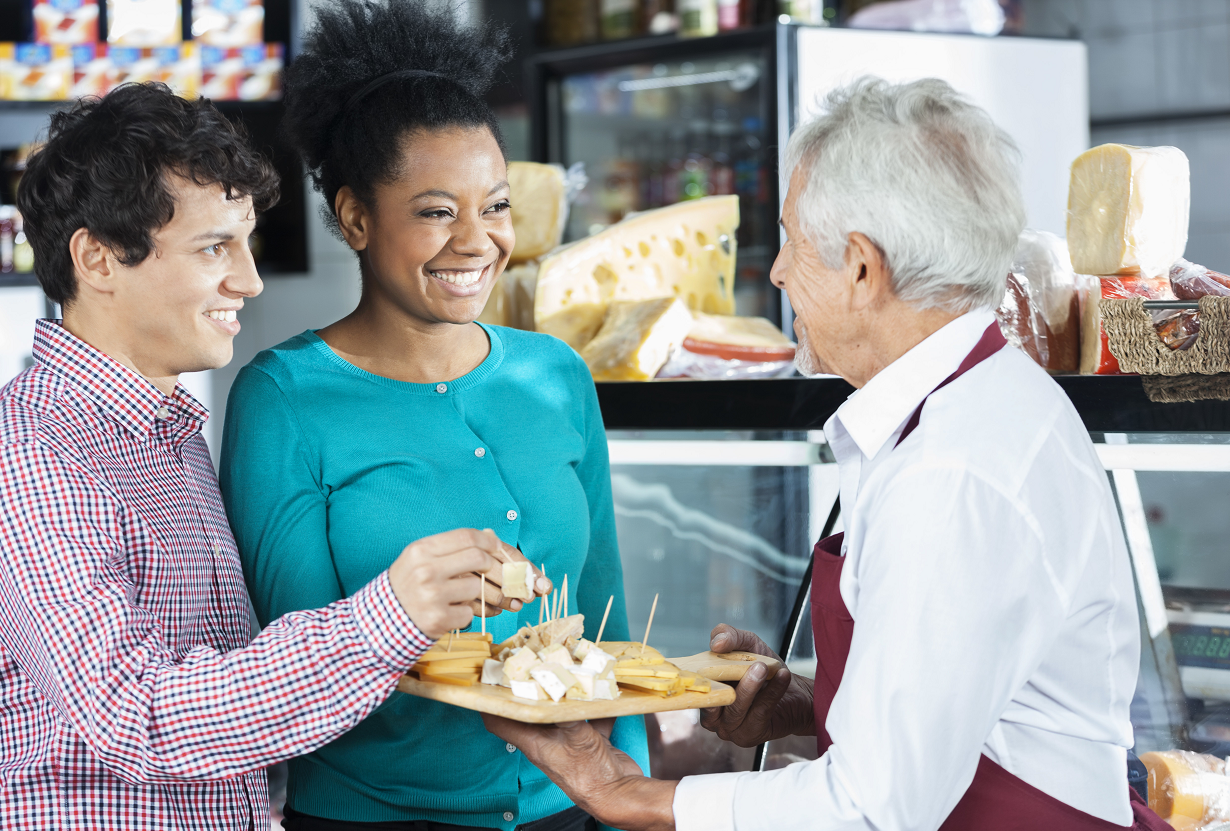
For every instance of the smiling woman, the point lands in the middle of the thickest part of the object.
(408, 415)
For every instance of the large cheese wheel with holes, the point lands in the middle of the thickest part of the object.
(685, 251)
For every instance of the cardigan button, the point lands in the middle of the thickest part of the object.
(512, 516)
(480, 452)
(441, 388)
(508, 816)
(512, 748)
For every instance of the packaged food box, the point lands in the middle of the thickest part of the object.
(248, 73)
(66, 21)
(35, 71)
(179, 67)
(144, 22)
(228, 22)
(91, 70)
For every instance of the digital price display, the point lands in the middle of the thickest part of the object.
(1201, 646)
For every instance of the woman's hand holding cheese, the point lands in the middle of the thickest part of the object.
(493, 581)
(434, 578)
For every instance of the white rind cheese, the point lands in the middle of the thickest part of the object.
(528, 689)
(493, 672)
(1128, 210)
(636, 339)
(554, 679)
(517, 578)
(685, 251)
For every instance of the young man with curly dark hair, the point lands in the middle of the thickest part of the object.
(133, 693)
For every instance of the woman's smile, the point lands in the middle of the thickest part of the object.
(461, 282)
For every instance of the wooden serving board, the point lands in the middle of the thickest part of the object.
(499, 701)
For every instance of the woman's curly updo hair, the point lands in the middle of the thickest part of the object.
(355, 42)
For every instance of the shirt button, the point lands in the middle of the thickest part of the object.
(512, 516)
(442, 388)
(508, 816)
(163, 412)
(512, 748)
(480, 452)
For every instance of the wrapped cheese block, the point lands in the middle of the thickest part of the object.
(685, 251)
(636, 339)
(1188, 790)
(1128, 210)
(539, 208)
(728, 346)
(1040, 312)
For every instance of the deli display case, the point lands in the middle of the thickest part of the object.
(722, 487)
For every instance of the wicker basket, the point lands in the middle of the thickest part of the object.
(1199, 373)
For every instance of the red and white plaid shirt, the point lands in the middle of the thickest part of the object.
(132, 695)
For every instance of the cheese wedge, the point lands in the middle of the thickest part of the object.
(1128, 209)
(517, 578)
(636, 339)
(685, 250)
(539, 209)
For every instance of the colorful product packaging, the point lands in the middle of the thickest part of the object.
(144, 22)
(249, 73)
(228, 22)
(35, 71)
(179, 67)
(91, 70)
(66, 21)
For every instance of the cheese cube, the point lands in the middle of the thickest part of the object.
(1128, 210)
(493, 672)
(519, 664)
(556, 654)
(599, 663)
(517, 578)
(539, 209)
(636, 339)
(584, 689)
(582, 649)
(685, 250)
(528, 689)
(554, 679)
(605, 689)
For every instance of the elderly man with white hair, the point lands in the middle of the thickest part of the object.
(976, 630)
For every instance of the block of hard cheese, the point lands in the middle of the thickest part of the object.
(539, 209)
(1128, 210)
(685, 251)
(636, 339)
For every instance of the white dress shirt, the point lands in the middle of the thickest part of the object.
(993, 601)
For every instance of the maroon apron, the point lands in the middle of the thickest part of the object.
(996, 800)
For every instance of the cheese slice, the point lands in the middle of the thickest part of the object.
(736, 338)
(516, 578)
(685, 251)
(1128, 209)
(539, 209)
(636, 339)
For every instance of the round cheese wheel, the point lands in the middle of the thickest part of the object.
(1182, 784)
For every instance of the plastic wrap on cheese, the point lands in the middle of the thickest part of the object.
(636, 339)
(685, 251)
(1128, 209)
(1188, 790)
(731, 347)
(1040, 312)
(540, 196)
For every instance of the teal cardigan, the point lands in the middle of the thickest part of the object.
(329, 471)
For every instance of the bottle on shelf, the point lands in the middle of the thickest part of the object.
(697, 18)
(620, 19)
(737, 14)
(23, 251)
(569, 22)
(658, 17)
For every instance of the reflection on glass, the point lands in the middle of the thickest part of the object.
(653, 135)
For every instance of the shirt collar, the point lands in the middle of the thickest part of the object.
(872, 415)
(128, 398)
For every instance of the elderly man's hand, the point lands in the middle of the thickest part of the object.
(764, 708)
(603, 781)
